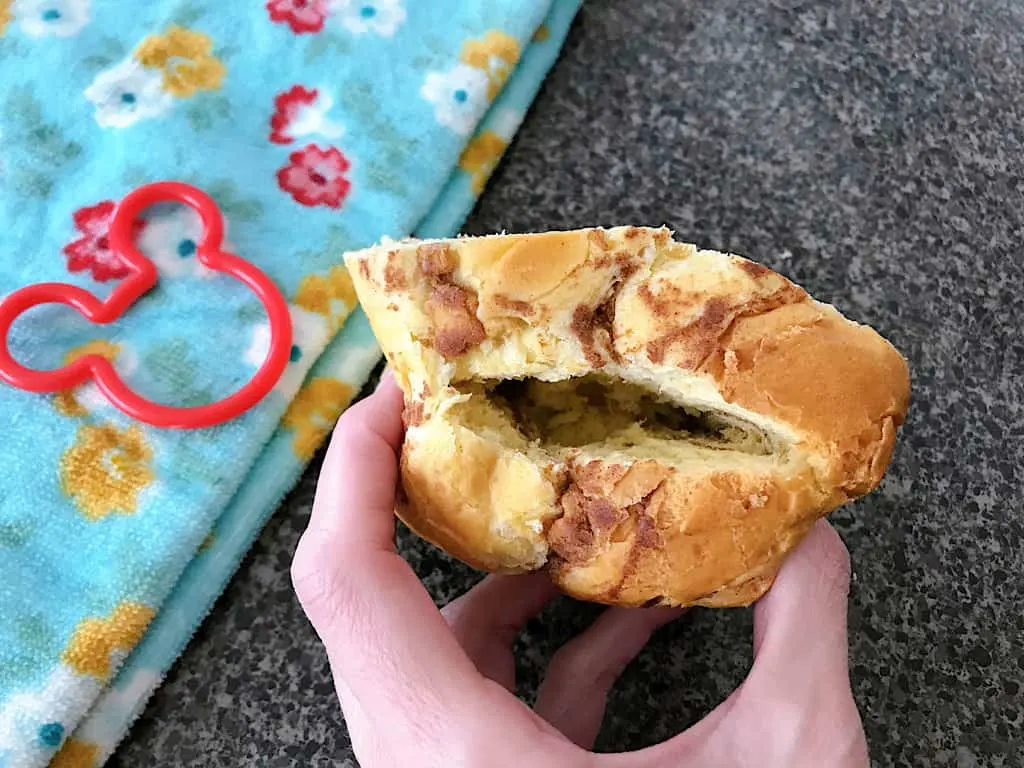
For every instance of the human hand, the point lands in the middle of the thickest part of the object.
(419, 686)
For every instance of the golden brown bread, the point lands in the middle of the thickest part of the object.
(649, 421)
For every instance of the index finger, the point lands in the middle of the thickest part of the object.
(385, 639)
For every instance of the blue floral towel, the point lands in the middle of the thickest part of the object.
(318, 126)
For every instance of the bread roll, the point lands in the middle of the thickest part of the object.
(652, 423)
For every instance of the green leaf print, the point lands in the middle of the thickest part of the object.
(16, 534)
(22, 103)
(109, 50)
(252, 313)
(31, 183)
(323, 42)
(438, 46)
(171, 364)
(204, 111)
(36, 641)
(223, 191)
(315, 49)
(187, 14)
(246, 210)
(428, 62)
(135, 176)
(97, 61)
(395, 148)
(10, 47)
(338, 241)
(44, 142)
(383, 177)
(34, 633)
(190, 465)
(199, 116)
(358, 98)
(220, 106)
(234, 206)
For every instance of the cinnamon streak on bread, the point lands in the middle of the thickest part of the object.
(649, 421)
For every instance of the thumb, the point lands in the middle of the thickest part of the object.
(386, 641)
(800, 625)
(801, 659)
(795, 708)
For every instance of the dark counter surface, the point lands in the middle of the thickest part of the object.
(874, 153)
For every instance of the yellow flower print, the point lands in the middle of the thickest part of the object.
(5, 15)
(106, 469)
(331, 295)
(496, 53)
(76, 754)
(186, 58)
(95, 638)
(481, 157)
(206, 543)
(314, 411)
(542, 34)
(66, 402)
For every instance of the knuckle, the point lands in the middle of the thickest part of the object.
(813, 740)
(322, 589)
(836, 565)
(571, 662)
(454, 612)
(475, 613)
(306, 573)
(563, 661)
(461, 619)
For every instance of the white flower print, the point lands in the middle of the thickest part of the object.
(459, 97)
(127, 92)
(381, 17)
(309, 336)
(303, 111)
(59, 18)
(313, 119)
(171, 241)
(123, 701)
(63, 697)
(505, 122)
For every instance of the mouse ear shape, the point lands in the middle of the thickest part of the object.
(142, 276)
(652, 422)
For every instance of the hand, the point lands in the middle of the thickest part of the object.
(424, 687)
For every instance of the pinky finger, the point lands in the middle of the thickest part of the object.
(575, 690)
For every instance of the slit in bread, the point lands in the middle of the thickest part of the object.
(651, 422)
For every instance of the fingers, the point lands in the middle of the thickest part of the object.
(575, 690)
(801, 657)
(800, 625)
(386, 641)
(487, 619)
(795, 708)
(355, 496)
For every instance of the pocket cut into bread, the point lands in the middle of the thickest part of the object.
(651, 422)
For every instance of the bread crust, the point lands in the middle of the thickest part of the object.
(673, 521)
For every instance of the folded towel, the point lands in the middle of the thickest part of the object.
(317, 126)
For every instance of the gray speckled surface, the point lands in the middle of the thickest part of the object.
(874, 152)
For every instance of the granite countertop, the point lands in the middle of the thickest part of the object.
(873, 152)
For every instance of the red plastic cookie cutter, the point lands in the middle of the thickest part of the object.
(142, 278)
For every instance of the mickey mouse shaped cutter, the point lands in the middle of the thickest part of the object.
(142, 278)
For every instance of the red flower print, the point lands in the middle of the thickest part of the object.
(315, 176)
(300, 15)
(287, 107)
(92, 250)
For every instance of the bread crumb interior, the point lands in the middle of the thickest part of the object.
(601, 414)
(605, 418)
